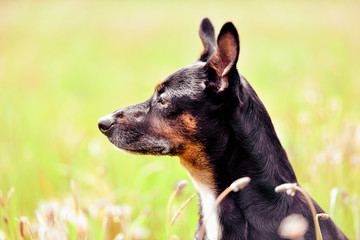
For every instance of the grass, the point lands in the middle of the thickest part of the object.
(64, 64)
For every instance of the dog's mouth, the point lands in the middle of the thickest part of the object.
(140, 145)
(144, 151)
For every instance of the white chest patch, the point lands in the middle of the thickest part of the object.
(209, 213)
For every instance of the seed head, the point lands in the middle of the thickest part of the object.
(140, 233)
(181, 184)
(290, 192)
(354, 200)
(174, 237)
(345, 196)
(289, 188)
(113, 211)
(119, 236)
(240, 184)
(323, 216)
(22, 222)
(293, 227)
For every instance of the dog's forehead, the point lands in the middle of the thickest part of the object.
(188, 80)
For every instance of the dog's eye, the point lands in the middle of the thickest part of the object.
(163, 101)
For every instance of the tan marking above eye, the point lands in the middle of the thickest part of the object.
(159, 87)
(164, 102)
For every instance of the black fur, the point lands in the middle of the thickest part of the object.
(207, 35)
(236, 133)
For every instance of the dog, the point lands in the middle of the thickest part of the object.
(209, 116)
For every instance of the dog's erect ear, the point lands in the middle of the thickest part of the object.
(226, 55)
(207, 35)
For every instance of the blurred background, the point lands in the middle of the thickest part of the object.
(64, 64)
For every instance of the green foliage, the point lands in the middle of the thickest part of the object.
(64, 64)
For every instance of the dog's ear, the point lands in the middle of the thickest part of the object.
(226, 55)
(207, 35)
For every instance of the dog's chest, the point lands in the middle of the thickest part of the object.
(210, 214)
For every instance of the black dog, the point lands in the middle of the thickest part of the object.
(209, 116)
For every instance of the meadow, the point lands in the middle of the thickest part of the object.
(64, 64)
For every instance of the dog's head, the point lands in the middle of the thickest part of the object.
(185, 109)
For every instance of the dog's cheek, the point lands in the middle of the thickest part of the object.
(182, 131)
(188, 122)
(193, 156)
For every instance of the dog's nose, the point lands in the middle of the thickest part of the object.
(105, 124)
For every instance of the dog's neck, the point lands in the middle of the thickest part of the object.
(257, 147)
(252, 149)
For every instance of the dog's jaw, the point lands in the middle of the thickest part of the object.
(209, 211)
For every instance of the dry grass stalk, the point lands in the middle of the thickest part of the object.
(104, 226)
(21, 228)
(345, 196)
(75, 196)
(6, 221)
(22, 222)
(290, 189)
(6, 204)
(322, 216)
(114, 222)
(181, 209)
(234, 187)
(355, 210)
(9, 196)
(333, 194)
(179, 186)
(2, 203)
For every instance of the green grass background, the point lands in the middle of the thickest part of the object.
(64, 64)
